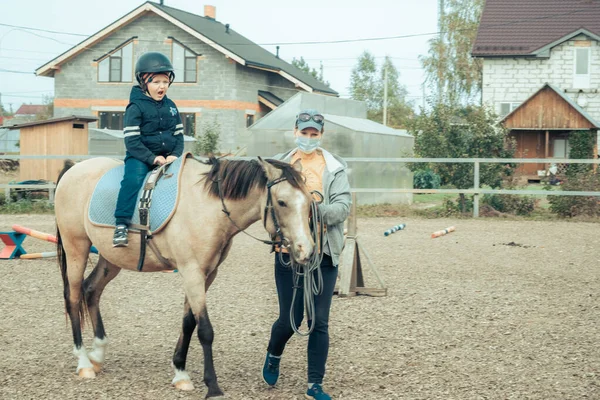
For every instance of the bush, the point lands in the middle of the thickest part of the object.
(208, 140)
(426, 179)
(581, 144)
(573, 206)
(510, 203)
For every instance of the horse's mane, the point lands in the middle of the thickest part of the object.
(239, 177)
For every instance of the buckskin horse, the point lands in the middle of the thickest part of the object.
(217, 200)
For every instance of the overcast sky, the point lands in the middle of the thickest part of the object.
(262, 21)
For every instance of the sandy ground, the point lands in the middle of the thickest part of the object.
(496, 310)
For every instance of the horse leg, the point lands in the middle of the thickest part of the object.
(182, 380)
(194, 286)
(93, 286)
(73, 266)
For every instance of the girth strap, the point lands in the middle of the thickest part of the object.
(144, 210)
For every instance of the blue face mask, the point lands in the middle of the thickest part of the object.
(307, 145)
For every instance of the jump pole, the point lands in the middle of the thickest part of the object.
(42, 236)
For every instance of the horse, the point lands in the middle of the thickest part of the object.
(218, 199)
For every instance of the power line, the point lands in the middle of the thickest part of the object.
(15, 72)
(43, 30)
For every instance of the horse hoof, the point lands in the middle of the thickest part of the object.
(217, 395)
(87, 373)
(97, 366)
(184, 385)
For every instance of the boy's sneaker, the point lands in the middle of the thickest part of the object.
(120, 236)
(270, 370)
(316, 392)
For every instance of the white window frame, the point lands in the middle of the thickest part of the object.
(126, 67)
(582, 81)
(511, 107)
(183, 75)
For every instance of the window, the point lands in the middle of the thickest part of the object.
(117, 66)
(507, 108)
(561, 148)
(189, 124)
(184, 63)
(249, 120)
(110, 120)
(581, 78)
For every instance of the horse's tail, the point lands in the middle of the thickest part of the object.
(62, 260)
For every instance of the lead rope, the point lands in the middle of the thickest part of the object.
(306, 272)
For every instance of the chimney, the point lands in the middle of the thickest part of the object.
(277, 55)
(162, 2)
(210, 12)
(226, 28)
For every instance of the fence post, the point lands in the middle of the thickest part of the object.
(476, 186)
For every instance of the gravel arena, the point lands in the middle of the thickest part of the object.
(497, 309)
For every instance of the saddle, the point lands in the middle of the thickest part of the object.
(157, 201)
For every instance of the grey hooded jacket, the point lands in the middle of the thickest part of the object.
(336, 203)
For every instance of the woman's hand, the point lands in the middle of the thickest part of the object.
(171, 159)
(159, 160)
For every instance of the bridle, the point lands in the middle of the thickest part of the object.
(283, 241)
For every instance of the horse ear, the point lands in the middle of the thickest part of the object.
(297, 165)
(270, 171)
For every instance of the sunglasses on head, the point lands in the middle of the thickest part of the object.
(304, 117)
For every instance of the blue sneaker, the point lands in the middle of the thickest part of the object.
(316, 393)
(271, 369)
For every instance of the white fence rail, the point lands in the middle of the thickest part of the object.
(475, 190)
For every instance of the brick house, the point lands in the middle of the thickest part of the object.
(541, 72)
(219, 73)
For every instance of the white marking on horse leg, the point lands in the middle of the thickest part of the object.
(85, 369)
(98, 353)
(182, 380)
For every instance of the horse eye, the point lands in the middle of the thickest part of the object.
(281, 203)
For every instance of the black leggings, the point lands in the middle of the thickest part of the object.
(281, 332)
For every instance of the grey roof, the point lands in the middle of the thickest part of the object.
(82, 118)
(270, 97)
(566, 98)
(364, 125)
(252, 53)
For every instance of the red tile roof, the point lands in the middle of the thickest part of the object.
(520, 27)
(31, 109)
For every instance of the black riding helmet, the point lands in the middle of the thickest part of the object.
(153, 63)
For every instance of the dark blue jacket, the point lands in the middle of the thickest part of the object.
(152, 128)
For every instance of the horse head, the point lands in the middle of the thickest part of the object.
(287, 208)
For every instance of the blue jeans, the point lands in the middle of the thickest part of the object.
(133, 179)
(281, 332)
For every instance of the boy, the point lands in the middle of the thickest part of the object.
(153, 134)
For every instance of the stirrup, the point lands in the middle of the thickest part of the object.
(120, 236)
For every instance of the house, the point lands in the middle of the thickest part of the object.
(541, 72)
(220, 74)
(27, 113)
(348, 133)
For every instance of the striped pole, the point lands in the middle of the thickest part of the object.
(39, 255)
(442, 232)
(36, 234)
(394, 229)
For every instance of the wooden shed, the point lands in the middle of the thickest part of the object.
(57, 136)
(541, 126)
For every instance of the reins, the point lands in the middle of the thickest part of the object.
(301, 271)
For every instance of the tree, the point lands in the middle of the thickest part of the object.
(368, 85)
(448, 131)
(208, 140)
(449, 66)
(48, 112)
(303, 66)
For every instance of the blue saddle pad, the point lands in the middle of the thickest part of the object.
(164, 198)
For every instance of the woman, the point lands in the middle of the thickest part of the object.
(326, 173)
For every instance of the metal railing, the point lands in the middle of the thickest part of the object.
(476, 190)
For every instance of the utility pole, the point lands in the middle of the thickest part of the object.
(385, 90)
(441, 56)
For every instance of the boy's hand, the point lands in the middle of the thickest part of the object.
(171, 158)
(159, 160)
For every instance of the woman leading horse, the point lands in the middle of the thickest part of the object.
(216, 202)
